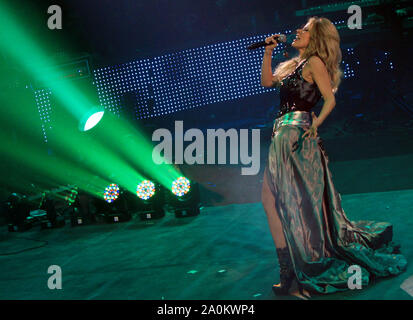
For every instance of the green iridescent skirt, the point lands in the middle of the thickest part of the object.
(322, 241)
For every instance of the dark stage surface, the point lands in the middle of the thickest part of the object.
(224, 253)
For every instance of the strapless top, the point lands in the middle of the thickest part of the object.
(297, 94)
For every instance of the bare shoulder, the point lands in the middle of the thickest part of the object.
(316, 63)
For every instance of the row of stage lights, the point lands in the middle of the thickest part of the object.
(146, 189)
(152, 200)
(183, 199)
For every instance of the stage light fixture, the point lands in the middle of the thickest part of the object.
(145, 190)
(111, 193)
(181, 186)
(113, 206)
(91, 119)
(72, 195)
(150, 200)
(18, 209)
(184, 199)
(53, 218)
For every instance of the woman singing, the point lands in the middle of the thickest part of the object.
(315, 242)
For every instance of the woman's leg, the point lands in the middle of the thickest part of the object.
(274, 221)
(276, 229)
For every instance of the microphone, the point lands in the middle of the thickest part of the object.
(279, 38)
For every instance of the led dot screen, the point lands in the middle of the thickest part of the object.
(145, 189)
(181, 186)
(111, 193)
(183, 80)
(42, 98)
(190, 78)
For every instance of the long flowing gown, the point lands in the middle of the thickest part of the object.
(323, 243)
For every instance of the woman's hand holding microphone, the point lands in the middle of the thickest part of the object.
(270, 48)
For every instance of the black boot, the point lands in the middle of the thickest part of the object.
(287, 274)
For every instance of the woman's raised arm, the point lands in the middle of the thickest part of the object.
(267, 78)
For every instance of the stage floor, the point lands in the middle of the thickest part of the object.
(224, 253)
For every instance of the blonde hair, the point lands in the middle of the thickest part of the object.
(324, 43)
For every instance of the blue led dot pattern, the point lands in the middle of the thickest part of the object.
(42, 98)
(348, 64)
(187, 79)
